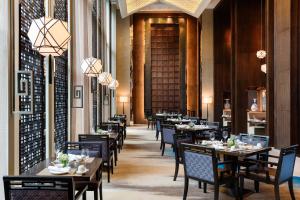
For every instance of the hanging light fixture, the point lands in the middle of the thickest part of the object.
(105, 78)
(91, 67)
(49, 36)
(113, 84)
(261, 53)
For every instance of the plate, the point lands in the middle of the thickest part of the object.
(81, 173)
(58, 171)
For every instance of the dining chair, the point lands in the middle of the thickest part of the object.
(213, 125)
(254, 140)
(179, 138)
(95, 150)
(284, 172)
(167, 136)
(158, 128)
(107, 154)
(40, 187)
(201, 164)
(115, 127)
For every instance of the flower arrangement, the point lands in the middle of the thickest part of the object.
(64, 159)
(231, 141)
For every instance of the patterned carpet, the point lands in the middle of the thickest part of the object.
(143, 174)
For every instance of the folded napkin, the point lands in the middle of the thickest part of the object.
(73, 157)
(59, 169)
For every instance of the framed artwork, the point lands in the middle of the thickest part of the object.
(77, 96)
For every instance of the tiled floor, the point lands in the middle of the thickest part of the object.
(143, 174)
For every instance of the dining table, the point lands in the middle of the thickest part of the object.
(235, 155)
(93, 165)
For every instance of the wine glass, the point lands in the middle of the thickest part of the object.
(225, 135)
(212, 136)
(109, 128)
(84, 153)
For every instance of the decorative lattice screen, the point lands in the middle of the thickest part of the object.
(32, 137)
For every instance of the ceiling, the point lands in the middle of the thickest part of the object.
(191, 7)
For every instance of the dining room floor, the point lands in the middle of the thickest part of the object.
(143, 174)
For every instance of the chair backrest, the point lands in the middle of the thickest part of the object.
(115, 127)
(95, 148)
(98, 138)
(167, 133)
(214, 125)
(286, 164)
(200, 163)
(158, 123)
(46, 188)
(179, 138)
(255, 139)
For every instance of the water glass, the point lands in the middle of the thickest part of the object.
(212, 136)
(109, 128)
(225, 135)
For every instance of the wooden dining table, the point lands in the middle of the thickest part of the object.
(236, 157)
(41, 169)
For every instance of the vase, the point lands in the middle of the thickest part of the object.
(254, 106)
(227, 104)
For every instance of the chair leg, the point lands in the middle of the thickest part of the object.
(186, 187)
(108, 171)
(277, 195)
(291, 188)
(241, 187)
(163, 149)
(256, 186)
(161, 145)
(84, 196)
(205, 187)
(176, 171)
(157, 133)
(112, 166)
(216, 192)
(100, 191)
(96, 194)
(200, 184)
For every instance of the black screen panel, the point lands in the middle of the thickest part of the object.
(32, 138)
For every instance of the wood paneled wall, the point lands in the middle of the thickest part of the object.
(191, 66)
(238, 35)
(295, 72)
(222, 57)
(188, 61)
(248, 40)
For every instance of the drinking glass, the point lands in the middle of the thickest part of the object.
(109, 128)
(212, 136)
(225, 135)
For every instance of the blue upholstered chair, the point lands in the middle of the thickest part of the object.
(254, 140)
(201, 164)
(283, 174)
(158, 128)
(106, 154)
(95, 150)
(179, 138)
(167, 136)
(46, 188)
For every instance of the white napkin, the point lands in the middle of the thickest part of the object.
(59, 169)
